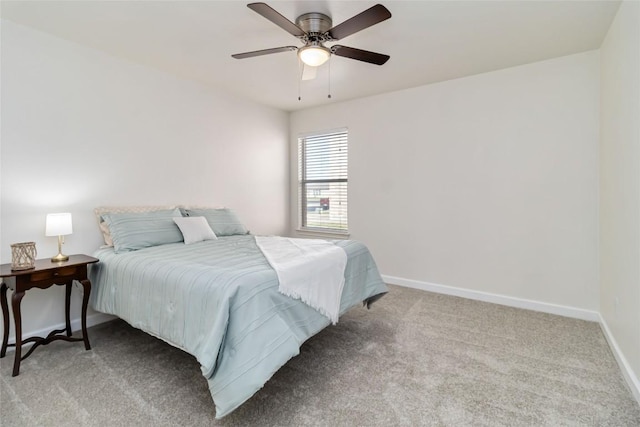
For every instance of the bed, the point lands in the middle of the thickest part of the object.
(219, 301)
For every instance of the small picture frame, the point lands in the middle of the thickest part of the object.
(23, 256)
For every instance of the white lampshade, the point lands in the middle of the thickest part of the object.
(58, 224)
(314, 56)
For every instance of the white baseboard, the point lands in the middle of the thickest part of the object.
(76, 324)
(577, 313)
(627, 372)
(561, 310)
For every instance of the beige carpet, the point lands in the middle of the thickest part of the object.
(415, 358)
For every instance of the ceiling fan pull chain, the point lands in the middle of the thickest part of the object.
(329, 77)
(301, 69)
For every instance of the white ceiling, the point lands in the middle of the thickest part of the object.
(428, 41)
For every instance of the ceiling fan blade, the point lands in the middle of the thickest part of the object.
(360, 55)
(264, 52)
(369, 17)
(275, 17)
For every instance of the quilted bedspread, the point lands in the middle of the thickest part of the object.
(218, 300)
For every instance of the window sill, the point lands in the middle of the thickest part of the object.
(305, 232)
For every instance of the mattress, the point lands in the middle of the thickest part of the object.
(219, 301)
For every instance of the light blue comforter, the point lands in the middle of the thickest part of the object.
(219, 301)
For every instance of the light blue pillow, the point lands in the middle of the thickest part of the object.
(133, 231)
(223, 222)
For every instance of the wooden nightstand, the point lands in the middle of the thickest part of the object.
(44, 275)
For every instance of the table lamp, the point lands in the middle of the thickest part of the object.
(59, 224)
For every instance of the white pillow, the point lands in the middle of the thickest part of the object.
(195, 229)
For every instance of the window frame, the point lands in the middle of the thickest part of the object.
(302, 213)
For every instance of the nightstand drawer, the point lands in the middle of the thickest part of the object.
(54, 274)
(50, 276)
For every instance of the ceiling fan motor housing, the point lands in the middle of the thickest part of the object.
(315, 25)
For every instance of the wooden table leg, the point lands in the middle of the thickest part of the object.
(5, 319)
(86, 285)
(67, 305)
(17, 318)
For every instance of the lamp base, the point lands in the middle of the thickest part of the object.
(60, 258)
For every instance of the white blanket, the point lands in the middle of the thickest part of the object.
(309, 270)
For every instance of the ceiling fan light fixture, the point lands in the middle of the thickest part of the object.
(314, 56)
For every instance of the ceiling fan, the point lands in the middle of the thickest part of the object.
(315, 29)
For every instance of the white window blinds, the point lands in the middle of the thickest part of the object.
(323, 179)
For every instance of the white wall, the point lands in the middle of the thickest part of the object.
(620, 183)
(487, 183)
(81, 129)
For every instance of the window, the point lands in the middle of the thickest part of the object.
(322, 177)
